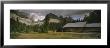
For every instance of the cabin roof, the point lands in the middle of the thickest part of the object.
(94, 25)
(82, 24)
(78, 24)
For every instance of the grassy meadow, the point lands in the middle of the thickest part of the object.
(56, 35)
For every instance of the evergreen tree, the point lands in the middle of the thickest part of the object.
(94, 17)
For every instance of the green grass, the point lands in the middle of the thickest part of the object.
(57, 35)
(14, 35)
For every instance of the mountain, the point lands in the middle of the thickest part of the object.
(24, 20)
(51, 15)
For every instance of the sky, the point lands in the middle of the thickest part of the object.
(40, 14)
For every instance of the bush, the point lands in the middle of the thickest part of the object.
(14, 35)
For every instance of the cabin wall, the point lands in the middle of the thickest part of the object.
(82, 29)
(72, 29)
(92, 29)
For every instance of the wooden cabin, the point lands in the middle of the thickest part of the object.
(82, 27)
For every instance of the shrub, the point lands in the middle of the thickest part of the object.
(14, 35)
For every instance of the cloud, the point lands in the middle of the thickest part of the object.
(57, 12)
(37, 17)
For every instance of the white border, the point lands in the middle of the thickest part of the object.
(102, 41)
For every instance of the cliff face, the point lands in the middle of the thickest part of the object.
(51, 20)
(26, 21)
